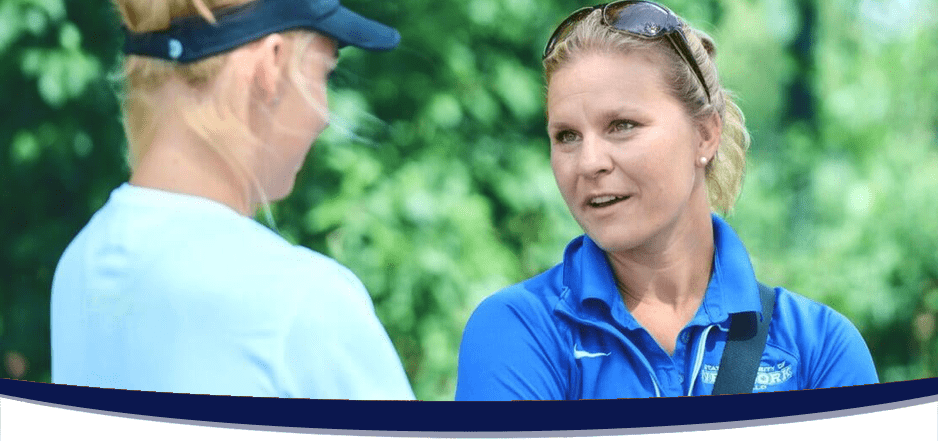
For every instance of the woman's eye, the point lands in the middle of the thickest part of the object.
(622, 126)
(566, 137)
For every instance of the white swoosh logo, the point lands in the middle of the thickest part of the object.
(578, 354)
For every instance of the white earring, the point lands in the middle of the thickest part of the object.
(703, 161)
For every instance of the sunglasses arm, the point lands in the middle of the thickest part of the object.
(681, 45)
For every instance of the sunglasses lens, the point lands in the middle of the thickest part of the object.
(641, 18)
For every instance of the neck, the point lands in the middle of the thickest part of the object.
(178, 161)
(674, 275)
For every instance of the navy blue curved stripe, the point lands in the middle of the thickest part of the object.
(417, 416)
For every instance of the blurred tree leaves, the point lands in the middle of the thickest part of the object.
(61, 154)
(434, 186)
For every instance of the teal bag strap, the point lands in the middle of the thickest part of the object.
(744, 346)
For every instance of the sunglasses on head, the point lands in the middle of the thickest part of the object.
(642, 19)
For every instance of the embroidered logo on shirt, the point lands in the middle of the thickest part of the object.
(578, 354)
(767, 376)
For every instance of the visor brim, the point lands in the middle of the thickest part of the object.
(351, 29)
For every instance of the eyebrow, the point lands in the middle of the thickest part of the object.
(557, 126)
(620, 112)
(625, 112)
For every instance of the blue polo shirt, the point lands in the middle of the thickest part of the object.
(566, 334)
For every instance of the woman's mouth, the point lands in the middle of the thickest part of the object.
(605, 201)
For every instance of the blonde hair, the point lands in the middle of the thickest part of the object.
(724, 174)
(212, 117)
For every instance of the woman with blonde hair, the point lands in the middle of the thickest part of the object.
(658, 298)
(172, 286)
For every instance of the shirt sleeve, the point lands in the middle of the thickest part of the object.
(842, 357)
(509, 351)
(337, 349)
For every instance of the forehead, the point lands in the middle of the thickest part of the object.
(600, 78)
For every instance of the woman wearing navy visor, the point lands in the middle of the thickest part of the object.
(172, 286)
(645, 143)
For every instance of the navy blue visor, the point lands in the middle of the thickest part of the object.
(193, 38)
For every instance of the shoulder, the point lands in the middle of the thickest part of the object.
(830, 348)
(802, 315)
(520, 319)
(529, 304)
(292, 274)
(199, 253)
(325, 280)
(513, 345)
(241, 249)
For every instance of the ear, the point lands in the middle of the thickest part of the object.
(271, 64)
(710, 130)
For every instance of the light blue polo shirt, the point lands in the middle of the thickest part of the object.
(175, 293)
(566, 334)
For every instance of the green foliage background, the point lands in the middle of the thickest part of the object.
(434, 187)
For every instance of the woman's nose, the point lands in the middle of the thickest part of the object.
(594, 159)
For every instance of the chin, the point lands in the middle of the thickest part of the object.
(281, 190)
(614, 242)
(615, 238)
(282, 194)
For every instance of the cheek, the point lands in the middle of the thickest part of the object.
(319, 107)
(672, 181)
(558, 166)
(323, 111)
(564, 175)
(317, 91)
